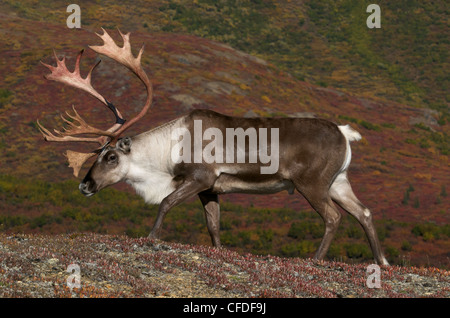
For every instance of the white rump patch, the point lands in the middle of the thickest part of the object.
(350, 135)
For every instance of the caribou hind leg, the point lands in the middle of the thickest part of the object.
(332, 218)
(317, 195)
(341, 192)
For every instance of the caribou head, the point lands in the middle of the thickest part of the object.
(111, 166)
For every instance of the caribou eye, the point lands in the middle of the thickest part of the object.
(111, 158)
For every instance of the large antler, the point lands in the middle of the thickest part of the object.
(77, 125)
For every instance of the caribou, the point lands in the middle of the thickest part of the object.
(166, 166)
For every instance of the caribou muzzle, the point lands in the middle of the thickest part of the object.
(87, 188)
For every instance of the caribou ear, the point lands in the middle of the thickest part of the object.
(124, 144)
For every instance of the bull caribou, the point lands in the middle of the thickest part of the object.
(166, 165)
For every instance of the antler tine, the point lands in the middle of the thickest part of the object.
(77, 159)
(124, 56)
(82, 128)
(48, 136)
(76, 125)
(60, 73)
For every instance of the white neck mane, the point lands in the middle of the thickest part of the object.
(151, 168)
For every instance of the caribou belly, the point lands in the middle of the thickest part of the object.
(226, 183)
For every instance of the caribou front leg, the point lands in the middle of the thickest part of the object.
(211, 206)
(187, 189)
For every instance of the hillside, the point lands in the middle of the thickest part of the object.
(262, 58)
(117, 266)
